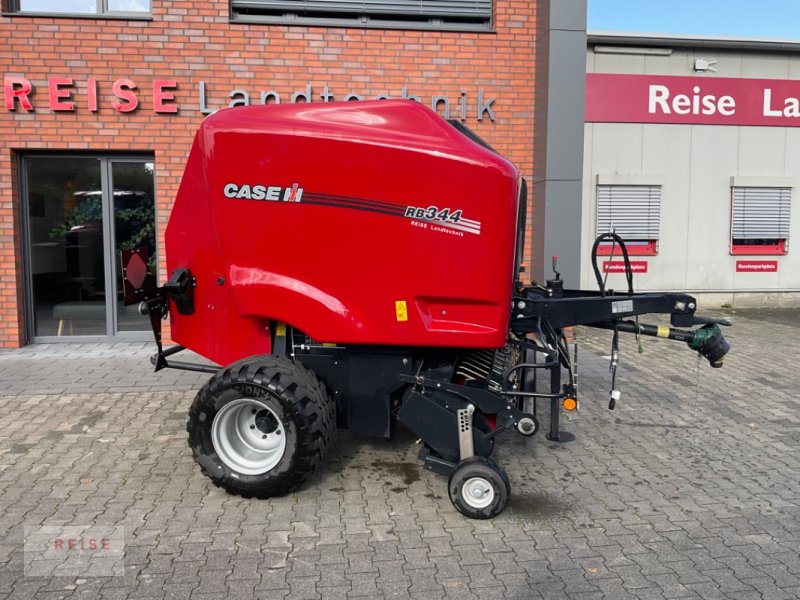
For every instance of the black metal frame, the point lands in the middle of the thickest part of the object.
(371, 384)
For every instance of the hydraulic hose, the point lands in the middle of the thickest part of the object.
(628, 270)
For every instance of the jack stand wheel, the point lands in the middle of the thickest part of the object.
(479, 488)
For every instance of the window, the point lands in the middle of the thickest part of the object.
(760, 219)
(81, 213)
(79, 7)
(429, 14)
(633, 212)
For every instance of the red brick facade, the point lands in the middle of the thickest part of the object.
(194, 41)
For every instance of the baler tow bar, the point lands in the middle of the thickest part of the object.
(542, 312)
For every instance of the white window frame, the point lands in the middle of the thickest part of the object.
(14, 7)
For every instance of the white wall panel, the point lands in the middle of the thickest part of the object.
(765, 66)
(696, 163)
(619, 63)
(715, 156)
(762, 152)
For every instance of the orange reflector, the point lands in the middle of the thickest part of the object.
(570, 404)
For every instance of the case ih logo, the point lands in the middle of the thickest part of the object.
(272, 193)
(431, 218)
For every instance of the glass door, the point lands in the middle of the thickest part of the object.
(134, 229)
(80, 213)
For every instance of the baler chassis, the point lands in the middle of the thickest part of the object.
(456, 401)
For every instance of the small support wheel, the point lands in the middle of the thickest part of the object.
(479, 488)
(528, 425)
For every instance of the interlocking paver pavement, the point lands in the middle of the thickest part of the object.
(689, 489)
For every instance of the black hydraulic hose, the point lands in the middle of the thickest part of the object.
(628, 270)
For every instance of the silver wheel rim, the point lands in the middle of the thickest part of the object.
(478, 492)
(248, 436)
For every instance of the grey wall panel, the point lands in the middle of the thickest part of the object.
(668, 153)
(696, 163)
(617, 148)
(790, 277)
(762, 152)
(568, 15)
(558, 137)
(794, 67)
(728, 64)
(680, 64)
(563, 229)
(765, 66)
(714, 158)
(619, 63)
(588, 208)
(567, 103)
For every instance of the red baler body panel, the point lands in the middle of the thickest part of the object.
(309, 214)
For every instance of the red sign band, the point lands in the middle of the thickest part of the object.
(618, 266)
(692, 100)
(756, 266)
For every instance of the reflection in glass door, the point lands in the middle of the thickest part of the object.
(66, 246)
(134, 229)
(80, 213)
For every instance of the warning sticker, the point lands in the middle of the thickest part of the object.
(401, 310)
(622, 306)
(662, 331)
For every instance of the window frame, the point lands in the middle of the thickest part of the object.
(361, 21)
(12, 8)
(781, 245)
(635, 247)
(106, 159)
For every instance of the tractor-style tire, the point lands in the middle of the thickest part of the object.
(261, 426)
(479, 488)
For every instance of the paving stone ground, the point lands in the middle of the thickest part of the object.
(689, 489)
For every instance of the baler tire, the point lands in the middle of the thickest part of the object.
(301, 410)
(472, 475)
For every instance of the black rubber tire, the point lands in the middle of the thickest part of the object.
(299, 399)
(492, 473)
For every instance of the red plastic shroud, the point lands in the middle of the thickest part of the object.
(400, 231)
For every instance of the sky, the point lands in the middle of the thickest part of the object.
(750, 18)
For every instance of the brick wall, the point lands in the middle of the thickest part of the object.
(194, 41)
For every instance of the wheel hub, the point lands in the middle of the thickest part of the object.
(266, 421)
(248, 436)
(478, 492)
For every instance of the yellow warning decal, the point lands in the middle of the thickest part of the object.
(329, 344)
(280, 329)
(401, 310)
(663, 331)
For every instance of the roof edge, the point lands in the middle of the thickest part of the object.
(660, 40)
